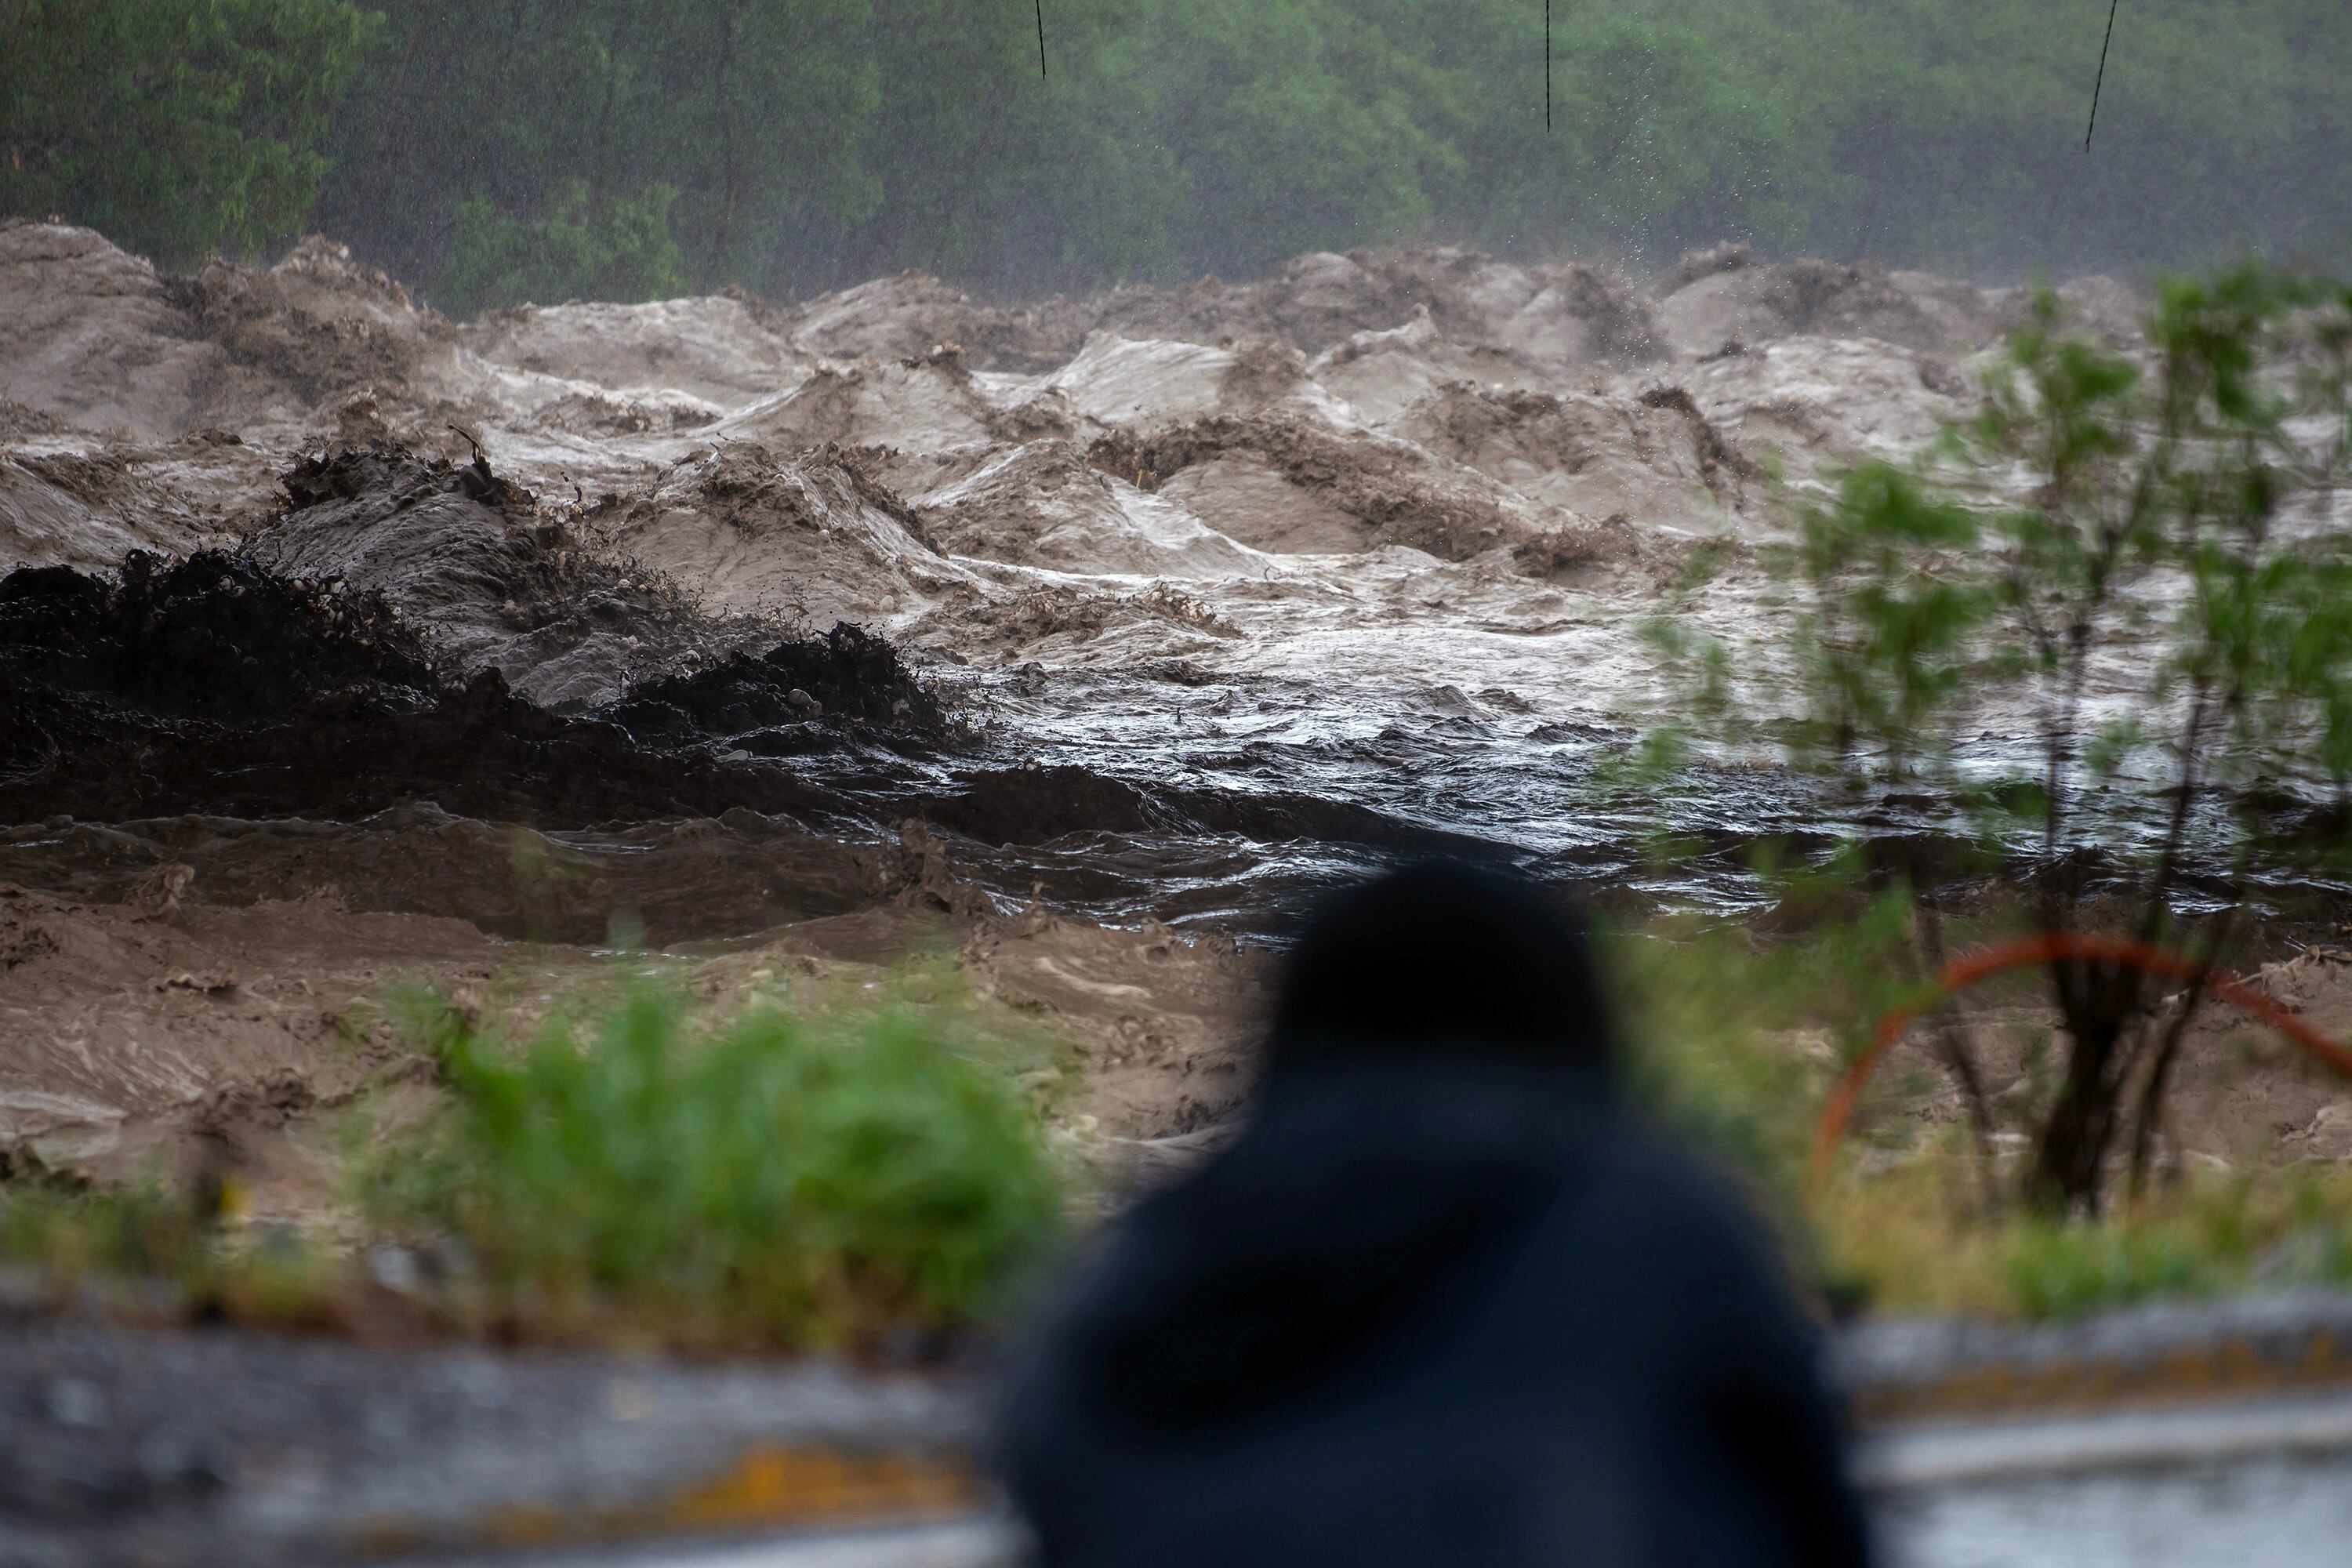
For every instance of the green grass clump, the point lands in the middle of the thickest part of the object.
(71, 1232)
(811, 1180)
(149, 1250)
(2219, 1236)
(1916, 1240)
(2065, 1271)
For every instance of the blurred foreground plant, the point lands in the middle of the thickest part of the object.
(1733, 1037)
(2109, 621)
(149, 1249)
(809, 1179)
(1907, 1245)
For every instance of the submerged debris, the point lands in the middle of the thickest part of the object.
(850, 678)
(216, 640)
(487, 577)
(217, 684)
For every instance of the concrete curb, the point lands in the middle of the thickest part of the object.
(1907, 1369)
(235, 1448)
(2045, 1448)
(984, 1541)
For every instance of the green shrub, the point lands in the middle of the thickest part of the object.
(2062, 1271)
(815, 1179)
(1734, 1033)
(153, 1249)
(617, 248)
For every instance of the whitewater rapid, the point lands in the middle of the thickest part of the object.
(1234, 587)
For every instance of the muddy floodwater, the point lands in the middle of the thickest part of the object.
(1232, 587)
(343, 640)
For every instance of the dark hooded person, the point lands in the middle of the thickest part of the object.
(1442, 1302)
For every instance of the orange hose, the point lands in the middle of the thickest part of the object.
(1971, 967)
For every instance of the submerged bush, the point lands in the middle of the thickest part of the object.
(815, 1179)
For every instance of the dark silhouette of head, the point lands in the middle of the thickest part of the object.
(1437, 1069)
(1442, 958)
(1441, 1299)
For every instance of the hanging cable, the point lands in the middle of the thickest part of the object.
(2095, 86)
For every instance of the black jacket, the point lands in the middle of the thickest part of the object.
(1442, 1304)
(1422, 1316)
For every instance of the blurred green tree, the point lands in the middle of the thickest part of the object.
(821, 143)
(617, 248)
(176, 126)
(2110, 622)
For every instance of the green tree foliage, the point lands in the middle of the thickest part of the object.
(620, 248)
(818, 145)
(815, 143)
(2112, 620)
(178, 126)
(1291, 125)
(537, 120)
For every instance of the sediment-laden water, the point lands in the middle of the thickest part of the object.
(1225, 589)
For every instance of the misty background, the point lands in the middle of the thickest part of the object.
(494, 152)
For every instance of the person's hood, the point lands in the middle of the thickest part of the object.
(1358, 1206)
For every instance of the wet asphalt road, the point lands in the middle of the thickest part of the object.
(121, 1445)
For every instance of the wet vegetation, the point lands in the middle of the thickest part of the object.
(635, 1162)
(810, 1177)
(2140, 568)
(627, 148)
(850, 1172)
(157, 1250)
(1739, 1033)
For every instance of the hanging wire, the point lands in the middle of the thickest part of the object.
(1041, 38)
(2095, 86)
(1546, 63)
